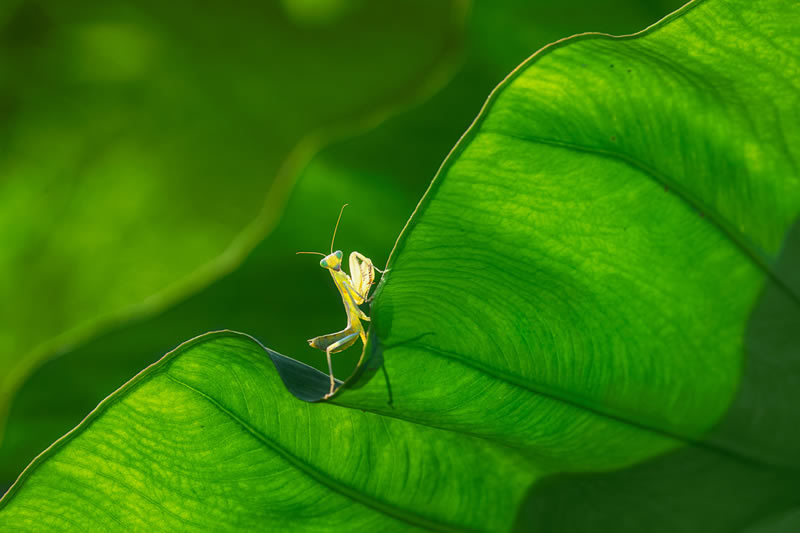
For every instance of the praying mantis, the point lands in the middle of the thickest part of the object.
(354, 289)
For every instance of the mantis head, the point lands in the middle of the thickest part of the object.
(332, 261)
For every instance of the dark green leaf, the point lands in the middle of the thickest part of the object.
(148, 146)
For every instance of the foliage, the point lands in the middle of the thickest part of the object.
(593, 314)
(372, 172)
(147, 152)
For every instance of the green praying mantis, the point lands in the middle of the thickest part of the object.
(354, 289)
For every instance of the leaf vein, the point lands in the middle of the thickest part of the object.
(323, 477)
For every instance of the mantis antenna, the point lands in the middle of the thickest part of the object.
(337, 225)
(333, 239)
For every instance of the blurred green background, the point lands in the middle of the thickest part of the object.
(162, 162)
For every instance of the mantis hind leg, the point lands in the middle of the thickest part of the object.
(344, 341)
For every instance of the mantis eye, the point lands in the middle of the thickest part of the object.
(339, 254)
(323, 264)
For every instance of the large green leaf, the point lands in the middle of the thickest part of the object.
(613, 234)
(597, 296)
(253, 457)
(374, 173)
(148, 146)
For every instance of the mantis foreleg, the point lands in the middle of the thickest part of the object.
(335, 342)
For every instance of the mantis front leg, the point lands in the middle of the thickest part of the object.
(336, 342)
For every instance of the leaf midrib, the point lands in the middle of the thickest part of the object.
(564, 397)
(322, 477)
(712, 215)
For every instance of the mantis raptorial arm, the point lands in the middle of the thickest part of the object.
(362, 274)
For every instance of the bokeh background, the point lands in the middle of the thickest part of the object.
(161, 162)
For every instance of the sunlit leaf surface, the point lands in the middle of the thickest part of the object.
(381, 175)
